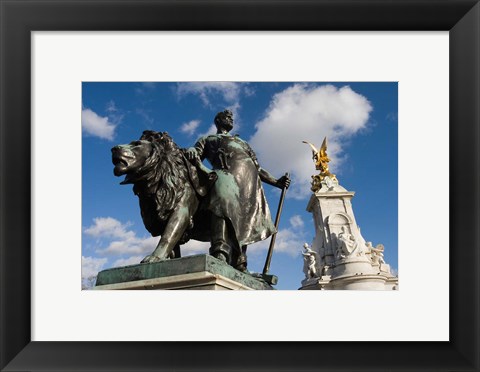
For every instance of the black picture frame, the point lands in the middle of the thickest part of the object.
(18, 18)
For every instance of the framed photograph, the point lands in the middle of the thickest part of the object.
(356, 122)
(53, 52)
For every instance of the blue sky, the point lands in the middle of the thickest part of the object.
(359, 119)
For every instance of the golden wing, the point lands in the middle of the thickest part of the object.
(314, 149)
(323, 148)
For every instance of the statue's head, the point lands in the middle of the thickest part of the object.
(224, 120)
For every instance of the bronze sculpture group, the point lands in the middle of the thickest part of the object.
(182, 199)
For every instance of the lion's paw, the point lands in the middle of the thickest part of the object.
(150, 259)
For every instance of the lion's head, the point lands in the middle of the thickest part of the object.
(156, 167)
(131, 158)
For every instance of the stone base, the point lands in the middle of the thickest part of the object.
(377, 282)
(315, 283)
(200, 272)
(353, 267)
(360, 282)
(392, 283)
(385, 268)
(355, 273)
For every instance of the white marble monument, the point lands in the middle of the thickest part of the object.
(339, 257)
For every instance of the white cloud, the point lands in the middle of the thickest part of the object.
(307, 112)
(289, 240)
(392, 117)
(118, 239)
(91, 266)
(143, 88)
(229, 91)
(296, 221)
(208, 92)
(249, 91)
(211, 130)
(111, 107)
(190, 248)
(145, 114)
(194, 247)
(190, 127)
(115, 115)
(133, 260)
(133, 245)
(109, 227)
(97, 126)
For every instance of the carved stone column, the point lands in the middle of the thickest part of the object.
(344, 259)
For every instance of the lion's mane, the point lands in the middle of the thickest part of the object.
(160, 181)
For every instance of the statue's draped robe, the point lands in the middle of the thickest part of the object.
(237, 195)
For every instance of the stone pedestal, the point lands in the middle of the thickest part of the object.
(200, 272)
(344, 260)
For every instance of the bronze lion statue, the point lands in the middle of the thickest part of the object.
(169, 189)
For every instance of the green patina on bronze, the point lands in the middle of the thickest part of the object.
(179, 266)
(181, 199)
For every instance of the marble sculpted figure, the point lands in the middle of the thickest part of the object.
(346, 243)
(309, 262)
(377, 254)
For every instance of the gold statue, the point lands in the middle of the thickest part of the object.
(321, 159)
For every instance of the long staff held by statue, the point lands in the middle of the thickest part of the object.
(277, 221)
